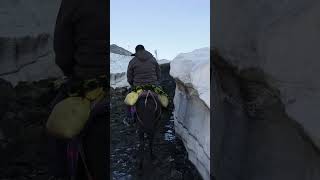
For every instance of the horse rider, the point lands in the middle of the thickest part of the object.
(142, 70)
(80, 45)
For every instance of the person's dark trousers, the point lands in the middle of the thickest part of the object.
(57, 148)
(129, 114)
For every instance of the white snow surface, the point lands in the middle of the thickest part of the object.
(118, 70)
(193, 69)
(285, 40)
(119, 63)
(192, 106)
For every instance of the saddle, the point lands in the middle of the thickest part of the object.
(144, 91)
(148, 93)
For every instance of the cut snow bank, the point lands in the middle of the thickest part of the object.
(192, 105)
(279, 39)
(118, 70)
(26, 40)
(193, 69)
(284, 41)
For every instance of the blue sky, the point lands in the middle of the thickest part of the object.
(168, 26)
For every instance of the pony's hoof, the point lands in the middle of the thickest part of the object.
(126, 122)
(155, 160)
(140, 169)
(140, 172)
(139, 164)
(153, 157)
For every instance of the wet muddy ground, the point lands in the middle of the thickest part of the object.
(171, 160)
(23, 113)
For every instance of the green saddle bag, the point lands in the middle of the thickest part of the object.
(70, 116)
(133, 96)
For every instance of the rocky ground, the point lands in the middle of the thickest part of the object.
(171, 157)
(23, 112)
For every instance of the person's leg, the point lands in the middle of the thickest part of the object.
(129, 117)
(128, 111)
(141, 149)
(151, 137)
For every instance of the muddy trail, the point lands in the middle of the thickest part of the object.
(171, 162)
(24, 110)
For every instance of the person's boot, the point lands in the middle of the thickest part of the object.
(126, 121)
(133, 115)
(129, 120)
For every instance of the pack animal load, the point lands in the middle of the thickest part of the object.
(70, 115)
(134, 95)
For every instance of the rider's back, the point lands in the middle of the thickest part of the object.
(143, 69)
(80, 40)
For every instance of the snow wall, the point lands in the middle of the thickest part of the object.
(192, 105)
(26, 40)
(266, 90)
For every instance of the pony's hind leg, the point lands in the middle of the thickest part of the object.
(141, 149)
(151, 137)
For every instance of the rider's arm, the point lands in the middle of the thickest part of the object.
(158, 71)
(130, 73)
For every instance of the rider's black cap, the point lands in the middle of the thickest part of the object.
(139, 48)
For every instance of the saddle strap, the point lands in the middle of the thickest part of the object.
(145, 103)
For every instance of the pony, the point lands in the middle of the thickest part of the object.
(148, 112)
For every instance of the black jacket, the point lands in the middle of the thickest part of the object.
(143, 69)
(80, 38)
